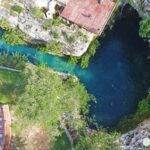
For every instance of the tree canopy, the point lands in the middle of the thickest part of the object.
(144, 31)
(42, 95)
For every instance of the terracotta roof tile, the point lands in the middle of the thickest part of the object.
(89, 14)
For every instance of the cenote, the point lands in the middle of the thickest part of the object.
(118, 75)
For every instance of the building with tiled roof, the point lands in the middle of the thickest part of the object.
(92, 15)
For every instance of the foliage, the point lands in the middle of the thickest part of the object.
(55, 34)
(10, 85)
(69, 39)
(61, 143)
(4, 24)
(56, 22)
(84, 60)
(48, 24)
(91, 52)
(98, 140)
(142, 113)
(15, 61)
(73, 60)
(53, 47)
(15, 37)
(46, 99)
(37, 12)
(43, 96)
(17, 8)
(144, 31)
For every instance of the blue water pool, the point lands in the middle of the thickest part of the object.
(118, 75)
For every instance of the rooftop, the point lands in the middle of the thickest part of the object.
(89, 14)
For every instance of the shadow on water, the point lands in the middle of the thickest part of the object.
(122, 69)
(118, 75)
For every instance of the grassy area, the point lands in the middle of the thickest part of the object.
(8, 80)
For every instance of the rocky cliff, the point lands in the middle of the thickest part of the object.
(137, 139)
(141, 6)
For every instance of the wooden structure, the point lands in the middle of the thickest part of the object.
(5, 129)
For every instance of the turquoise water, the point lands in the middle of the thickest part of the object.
(118, 75)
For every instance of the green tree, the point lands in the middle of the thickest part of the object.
(15, 37)
(144, 31)
(83, 61)
(49, 99)
(4, 24)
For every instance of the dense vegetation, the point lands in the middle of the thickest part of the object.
(17, 9)
(144, 31)
(43, 96)
(37, 13)
(13, 36)
(83, 61)
(98, 140)
(51, 23)
(53, 47)
(40, 96)
(142, 113)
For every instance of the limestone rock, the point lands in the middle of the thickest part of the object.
(134, 139)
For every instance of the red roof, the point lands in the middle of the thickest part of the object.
(89, 14)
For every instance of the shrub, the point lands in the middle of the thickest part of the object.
(56, 22)
(47, 24)
(144, 31)
(55, 34)
(17, 8)
(98, 140)
(4, 24)
(51, 23)
(54, 47)
(14, 37)
(84, 62)
(37, 13)
(69, 39)
(142, 113)
(84, 59)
